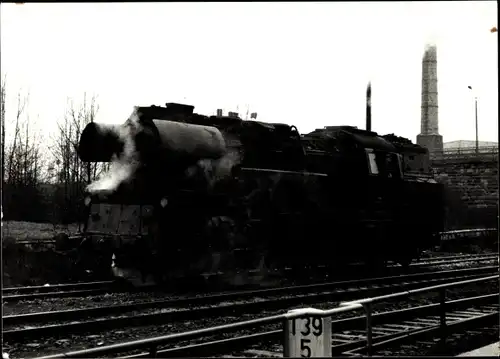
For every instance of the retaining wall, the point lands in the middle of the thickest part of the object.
(471, 190)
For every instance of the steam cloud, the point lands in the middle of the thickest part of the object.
(215, 170)
(123, 167)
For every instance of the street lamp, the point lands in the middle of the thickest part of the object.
(475, 111)
(492, 30)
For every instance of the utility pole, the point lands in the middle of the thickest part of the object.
(475, 115)
(492, 30)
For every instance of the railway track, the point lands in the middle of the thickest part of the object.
(456, 259)
(22, 327)
(103, 287)
(390, 328)
(449, 260)
(87, 289)
(438, 260)
(57, 288)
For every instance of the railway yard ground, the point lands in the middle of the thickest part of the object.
(20, 230)
(59, 318)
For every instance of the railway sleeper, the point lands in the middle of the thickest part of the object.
(458, 316)
(416, 323)
(423, 331)
(343, 342)
(468, 313)
(432, 342)
(428, 321)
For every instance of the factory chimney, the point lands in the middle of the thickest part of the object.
(429, 136)
(369, 107)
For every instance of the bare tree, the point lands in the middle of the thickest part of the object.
(13, 151)
(24, 167)
(2, 111)
(21, 162)
(72, 174)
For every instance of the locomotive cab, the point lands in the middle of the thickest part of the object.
(354, 147)
(381, 157)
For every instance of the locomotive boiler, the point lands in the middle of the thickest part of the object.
(190, 196)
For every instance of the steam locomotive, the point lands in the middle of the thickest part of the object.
(190, 196)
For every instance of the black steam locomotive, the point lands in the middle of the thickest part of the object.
(189, 195)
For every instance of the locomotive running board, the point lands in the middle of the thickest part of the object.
(283, 171)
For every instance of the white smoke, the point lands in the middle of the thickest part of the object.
(215, 170)
(122, 168)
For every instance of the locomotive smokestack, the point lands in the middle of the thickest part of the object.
(369, 107)
(117, 146)
(99, 142)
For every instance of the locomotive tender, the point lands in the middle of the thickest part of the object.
(191, 195)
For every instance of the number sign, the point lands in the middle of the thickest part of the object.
(308, 336)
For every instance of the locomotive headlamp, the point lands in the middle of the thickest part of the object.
(163, 202)
(86, 201)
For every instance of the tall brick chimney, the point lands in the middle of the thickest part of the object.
(429, 136)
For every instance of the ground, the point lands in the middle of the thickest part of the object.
(33, 264)
(20, 230)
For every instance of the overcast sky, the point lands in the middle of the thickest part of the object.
(305, 64)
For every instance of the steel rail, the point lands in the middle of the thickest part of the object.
(48, 288)
(218, 347)
(43, 292)
(153, 343)
(211, 311)
(339, 287)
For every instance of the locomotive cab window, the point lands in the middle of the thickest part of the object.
(372, 161)
(384, 164)
(393, 165)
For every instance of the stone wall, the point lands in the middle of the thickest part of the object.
(471, 190)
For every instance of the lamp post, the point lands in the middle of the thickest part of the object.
(492, 30)
(475, 113)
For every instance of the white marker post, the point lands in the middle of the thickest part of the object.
(309, 336)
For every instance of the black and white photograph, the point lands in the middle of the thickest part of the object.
(249, 179)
